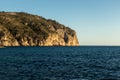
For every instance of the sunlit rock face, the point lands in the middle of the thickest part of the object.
(23, 29)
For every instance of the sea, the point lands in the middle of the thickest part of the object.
(60, 63)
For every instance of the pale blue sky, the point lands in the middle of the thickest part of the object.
(97, 22)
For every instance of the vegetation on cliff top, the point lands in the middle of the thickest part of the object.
(21, 24)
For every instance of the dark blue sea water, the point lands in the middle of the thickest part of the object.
(60, 63)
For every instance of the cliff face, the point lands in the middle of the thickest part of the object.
(22, 29)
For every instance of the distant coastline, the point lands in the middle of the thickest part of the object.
(24, 29)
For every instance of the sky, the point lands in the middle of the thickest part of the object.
(96, 22)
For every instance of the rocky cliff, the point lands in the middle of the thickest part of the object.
(23, 29)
